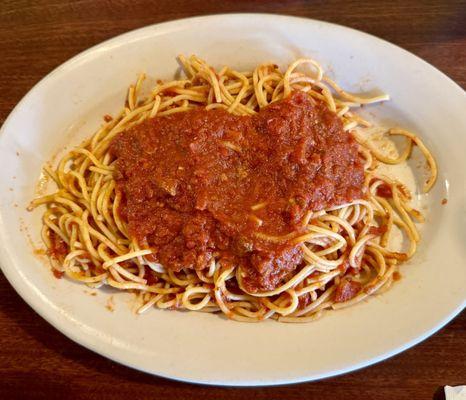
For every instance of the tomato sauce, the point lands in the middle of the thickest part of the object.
(347, 290)
(384, 190)
(203, 184)
(58, 248)
(378, 230)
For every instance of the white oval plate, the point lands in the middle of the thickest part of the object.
(68, 105)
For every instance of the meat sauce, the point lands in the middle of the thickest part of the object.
(346, 290)
(206, 184)
(58, 248)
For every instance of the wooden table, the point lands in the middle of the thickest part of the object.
(38, 362)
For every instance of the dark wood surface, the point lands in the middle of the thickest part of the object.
(38, 362)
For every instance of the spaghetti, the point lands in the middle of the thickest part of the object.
(344, 246)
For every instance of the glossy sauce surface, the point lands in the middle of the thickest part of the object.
(201, 184)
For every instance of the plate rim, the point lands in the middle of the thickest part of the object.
(21, 285)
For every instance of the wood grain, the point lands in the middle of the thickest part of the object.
(38, 362)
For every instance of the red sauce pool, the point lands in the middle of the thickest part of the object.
(190, 181)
